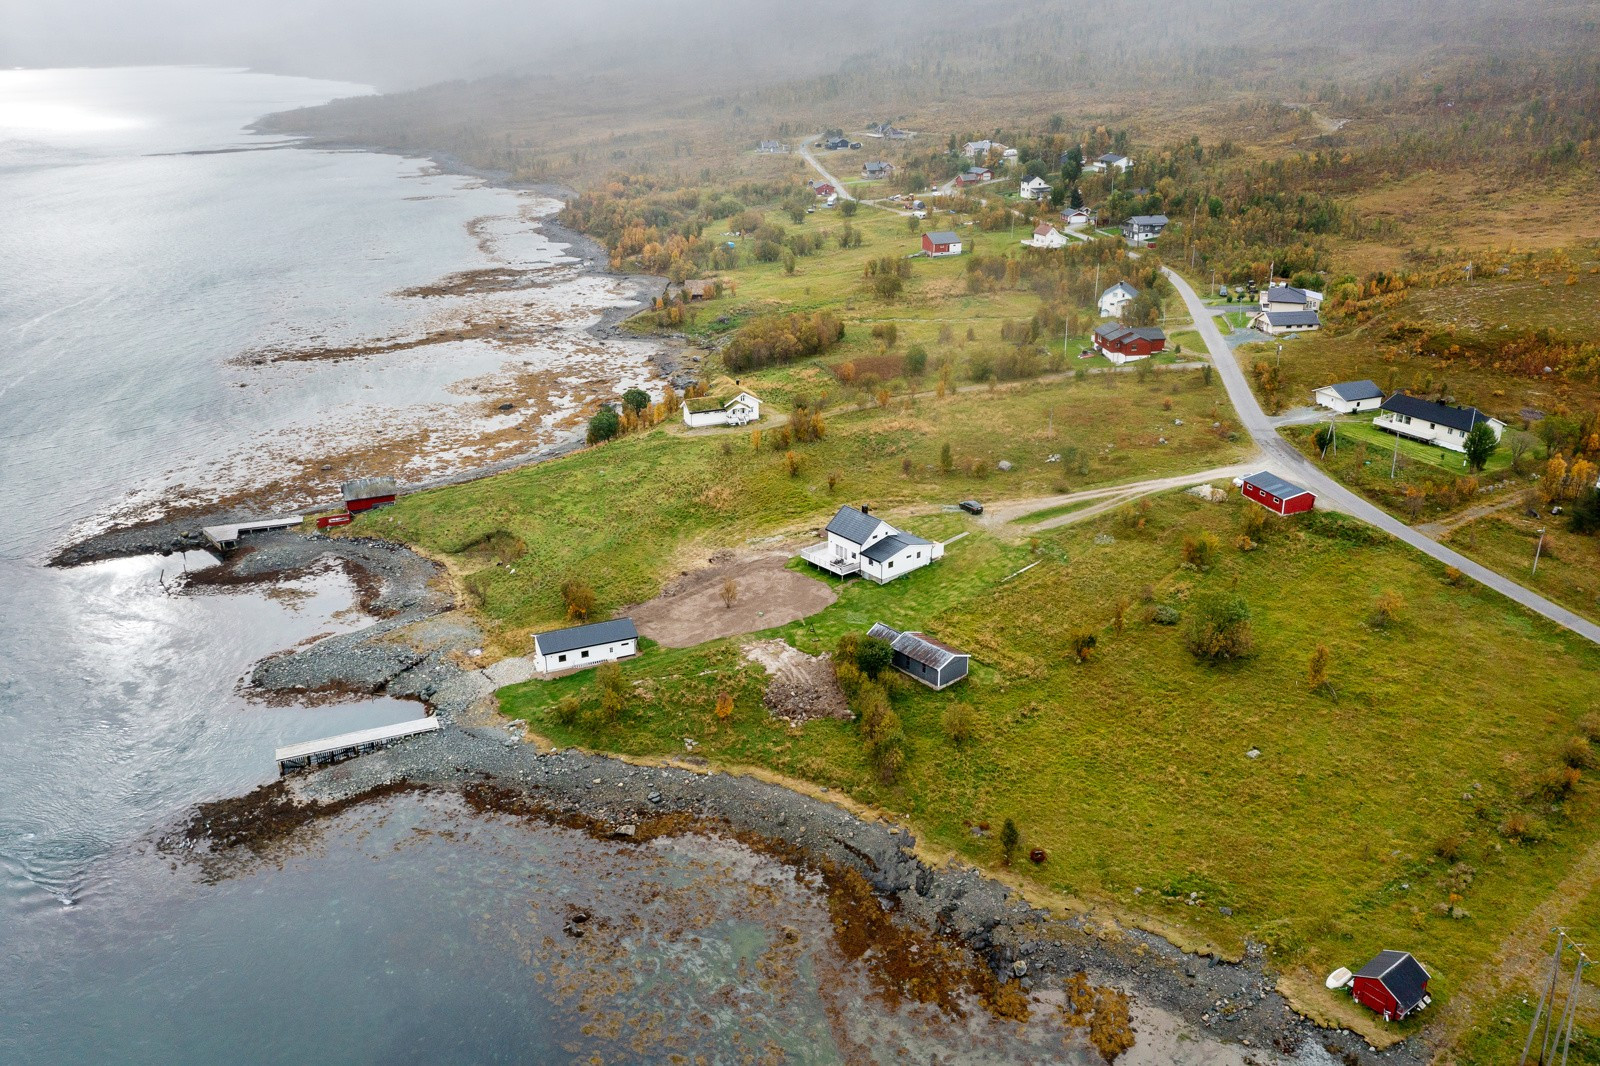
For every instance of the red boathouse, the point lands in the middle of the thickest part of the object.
(1276, 494)
(365, 493)
(1393, 984)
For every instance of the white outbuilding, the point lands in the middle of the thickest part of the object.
(1349, 397)
(580, 647)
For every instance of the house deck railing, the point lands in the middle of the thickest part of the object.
(827, 557)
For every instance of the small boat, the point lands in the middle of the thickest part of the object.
(1339, 978)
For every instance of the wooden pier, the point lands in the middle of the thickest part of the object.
(225, 537)
(348, 745)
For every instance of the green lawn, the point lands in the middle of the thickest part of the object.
(1381, 445)
(1344, 836)
(627, 516)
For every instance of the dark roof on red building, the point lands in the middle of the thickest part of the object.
(1401, 974)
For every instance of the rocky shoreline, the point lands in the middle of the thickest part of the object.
(418, 647)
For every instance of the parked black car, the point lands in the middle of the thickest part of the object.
(972, 506)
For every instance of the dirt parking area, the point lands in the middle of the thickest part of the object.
(691, 610)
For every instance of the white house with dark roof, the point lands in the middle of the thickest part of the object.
(1116, 299)
(1349, 397)
(1142, 229)
(859, 542)
(1432, 423)
(1108, 161)
(738, 410)
(1289, 298)
(1283, 323)
(580, 647)
(934, 663)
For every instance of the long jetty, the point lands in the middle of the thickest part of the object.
(309, 753)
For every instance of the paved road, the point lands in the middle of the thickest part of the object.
(1284, 459)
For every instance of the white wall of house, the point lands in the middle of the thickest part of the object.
(744, 409)
(1112, 304)
(1431, 432)
(582, 658)
(1326, 397)
(1260, 322)
(1052, 239)
(1120, 358)
(911, 557)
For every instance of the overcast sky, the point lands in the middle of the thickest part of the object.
(405, 43)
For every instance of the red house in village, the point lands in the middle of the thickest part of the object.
(1276, 494)
(1393, 984)
(823, 189)
(1123, 344)
(941, 242)
(365, 493)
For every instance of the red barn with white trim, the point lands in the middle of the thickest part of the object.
(941, 242)
(1278, 495)
(1393, 984)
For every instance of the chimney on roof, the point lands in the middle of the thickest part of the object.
(865, 509)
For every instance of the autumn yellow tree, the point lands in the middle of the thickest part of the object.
(724, 707)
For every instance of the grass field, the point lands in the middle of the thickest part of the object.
(631, 514)
(1569, 565)
(1372, 810)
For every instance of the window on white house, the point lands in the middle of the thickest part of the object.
(585, 654)
(561, 658)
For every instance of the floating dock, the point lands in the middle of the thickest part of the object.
(348, 745)
(223, 538)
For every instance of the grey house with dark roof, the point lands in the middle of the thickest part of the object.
(859, 542)
(1349, 397)
(1278, 323)
(579, 647)
(918, 655)
(1433, 423)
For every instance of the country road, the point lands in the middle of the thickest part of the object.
(1284, 459)
(805, 153)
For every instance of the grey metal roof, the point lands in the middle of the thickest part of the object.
(889, 546)
(1110, 157)
(1150, 333)
(1286, 294)
(365, 488)
(1111, 330)
(1271, 483)
(883, 632)
(1148, 220)
(854, 525)
(1365, 389)
(1292, 318)
(1121, 286)
(559, 640)
(1462, 418)
(926, 650)
(943, 236)
(1401, 974)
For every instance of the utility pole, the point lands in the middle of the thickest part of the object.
(1563, 1035)
(1537, 550)
(1545, 998)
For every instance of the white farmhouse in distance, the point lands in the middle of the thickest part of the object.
(738, 410)
(1046, 236)
(861, 543)
(1116, 299)
(1034, 189)
(1289, 298)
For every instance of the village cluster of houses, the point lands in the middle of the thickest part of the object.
(1287, 310)
(1406, 416)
